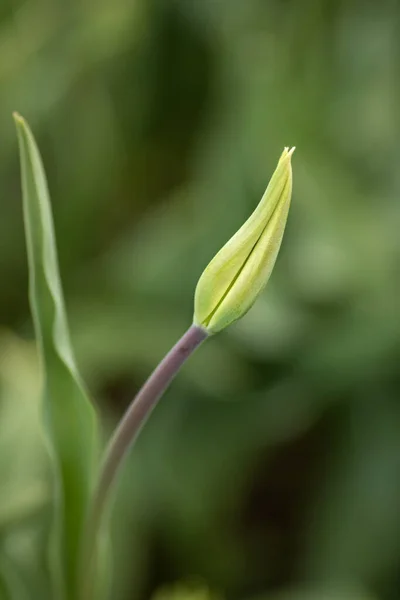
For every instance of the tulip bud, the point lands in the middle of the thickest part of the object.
(237, 274)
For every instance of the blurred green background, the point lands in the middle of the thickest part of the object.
(271, 470)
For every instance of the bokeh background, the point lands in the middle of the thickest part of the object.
(271, 469)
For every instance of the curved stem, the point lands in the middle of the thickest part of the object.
(127, 431)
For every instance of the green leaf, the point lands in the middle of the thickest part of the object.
(69, 416)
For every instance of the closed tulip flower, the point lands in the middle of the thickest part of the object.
(238, 273)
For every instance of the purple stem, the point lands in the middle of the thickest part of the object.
(129, 427)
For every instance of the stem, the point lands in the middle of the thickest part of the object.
(127, 431)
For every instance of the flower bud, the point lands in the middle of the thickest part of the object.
(237, 274)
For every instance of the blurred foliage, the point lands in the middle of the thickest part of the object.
(273, 462)
(194, 591)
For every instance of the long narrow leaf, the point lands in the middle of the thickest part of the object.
(69, 416)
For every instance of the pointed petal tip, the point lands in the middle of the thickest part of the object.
(287, 153)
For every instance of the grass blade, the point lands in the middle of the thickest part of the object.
(70, 418)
